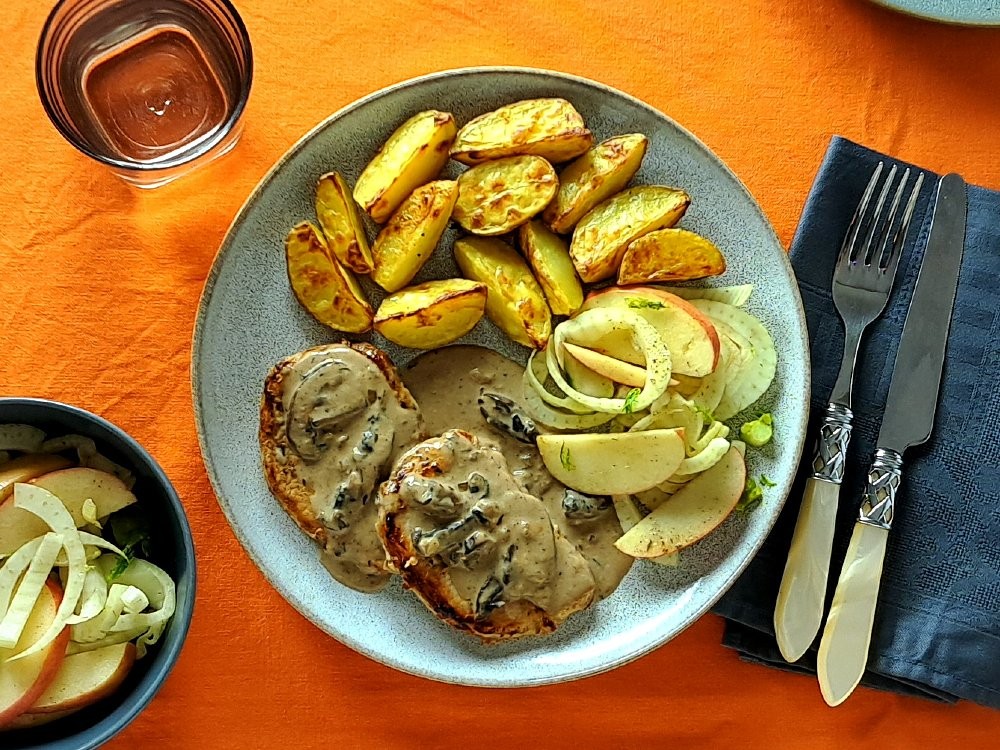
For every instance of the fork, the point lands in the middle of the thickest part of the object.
(862, 281)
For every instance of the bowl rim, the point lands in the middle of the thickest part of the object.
(166, 656)
(198, 342)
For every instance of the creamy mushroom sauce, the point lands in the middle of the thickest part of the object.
(447, 383)
(348, 426)
(498, 543)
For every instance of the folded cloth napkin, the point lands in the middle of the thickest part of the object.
(937, 626)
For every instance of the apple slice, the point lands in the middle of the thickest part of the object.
(613, 463)
(73, 487)
(27, 720)
(688, 333)
(609, 367)
(694, 511)
(24, 468)
(23, 681)
(85, 678)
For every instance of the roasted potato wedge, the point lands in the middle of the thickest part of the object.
(550, 128)
(327, 290)
(498, 196)
(340, 220)
(601, 237)
(431, 314)
(548, 256)
(514, 300)
(413, 155)
(597, 175)
(409, 239)
(670, 255)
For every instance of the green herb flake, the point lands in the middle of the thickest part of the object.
(637, 303)
(752, 496)
(565, 459)
(131, 532)
(766, 482)
(630, 398)
(759, 432)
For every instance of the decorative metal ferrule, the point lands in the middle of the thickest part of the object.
(831, 446)
(879, 503)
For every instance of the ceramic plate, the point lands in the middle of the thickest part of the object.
(249, 319)
(966, 12)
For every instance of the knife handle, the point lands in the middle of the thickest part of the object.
(843, 651)
(798, 611)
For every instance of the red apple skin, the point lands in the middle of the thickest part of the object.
(50, 667)
(666, 298)
(29, 720)
(82, 700)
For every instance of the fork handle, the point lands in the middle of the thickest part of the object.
(798, 611)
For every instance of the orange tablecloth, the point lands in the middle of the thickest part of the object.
(99, 283)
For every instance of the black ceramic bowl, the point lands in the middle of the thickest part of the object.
(173, 551)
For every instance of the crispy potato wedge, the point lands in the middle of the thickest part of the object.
(409, 239)
(670, 255)
(327, 290)
(601, 237)
(413, 155)
(431, 314)
(340, 220)
(597, 175)
(514, 300)
(498, 196)
(548, 256)
(550, 128)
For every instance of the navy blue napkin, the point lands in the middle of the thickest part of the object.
(937, 627)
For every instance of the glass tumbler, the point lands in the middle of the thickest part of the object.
(151, 88)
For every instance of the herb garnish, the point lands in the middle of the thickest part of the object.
(130, 530)
(637, 303)
(565, 459)
(630, 398)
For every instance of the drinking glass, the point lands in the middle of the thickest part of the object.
(151, 88)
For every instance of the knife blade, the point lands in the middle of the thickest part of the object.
(908, 420)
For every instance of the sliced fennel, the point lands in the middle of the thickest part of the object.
(705, 459)
(154, 583)
(50, 509)
(28, 590)
(558, 420)
(537, 372)
(751, 376)
(731, 295)
(12, 569)
(20, 437)
(88, 456)
(587, 329)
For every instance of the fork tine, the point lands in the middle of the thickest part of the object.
(881, 258)
(873, 226)
(901, 231)
(854, 228)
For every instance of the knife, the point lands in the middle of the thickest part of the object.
(908, 420)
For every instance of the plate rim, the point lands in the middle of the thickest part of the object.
(927, 15)
(197, 342)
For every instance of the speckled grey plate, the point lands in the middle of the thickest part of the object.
(249, 319)
(964, 12)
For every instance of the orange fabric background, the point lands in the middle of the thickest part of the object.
(99, 283)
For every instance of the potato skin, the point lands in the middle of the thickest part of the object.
(432, 314)
(413, 155)
(600, 239)
(670, 255)
(514, 300)
(498, 196)
(548, 256)
(550, 128)
(327, 290)
(408, 240)
(340, 220)
(597, 175)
